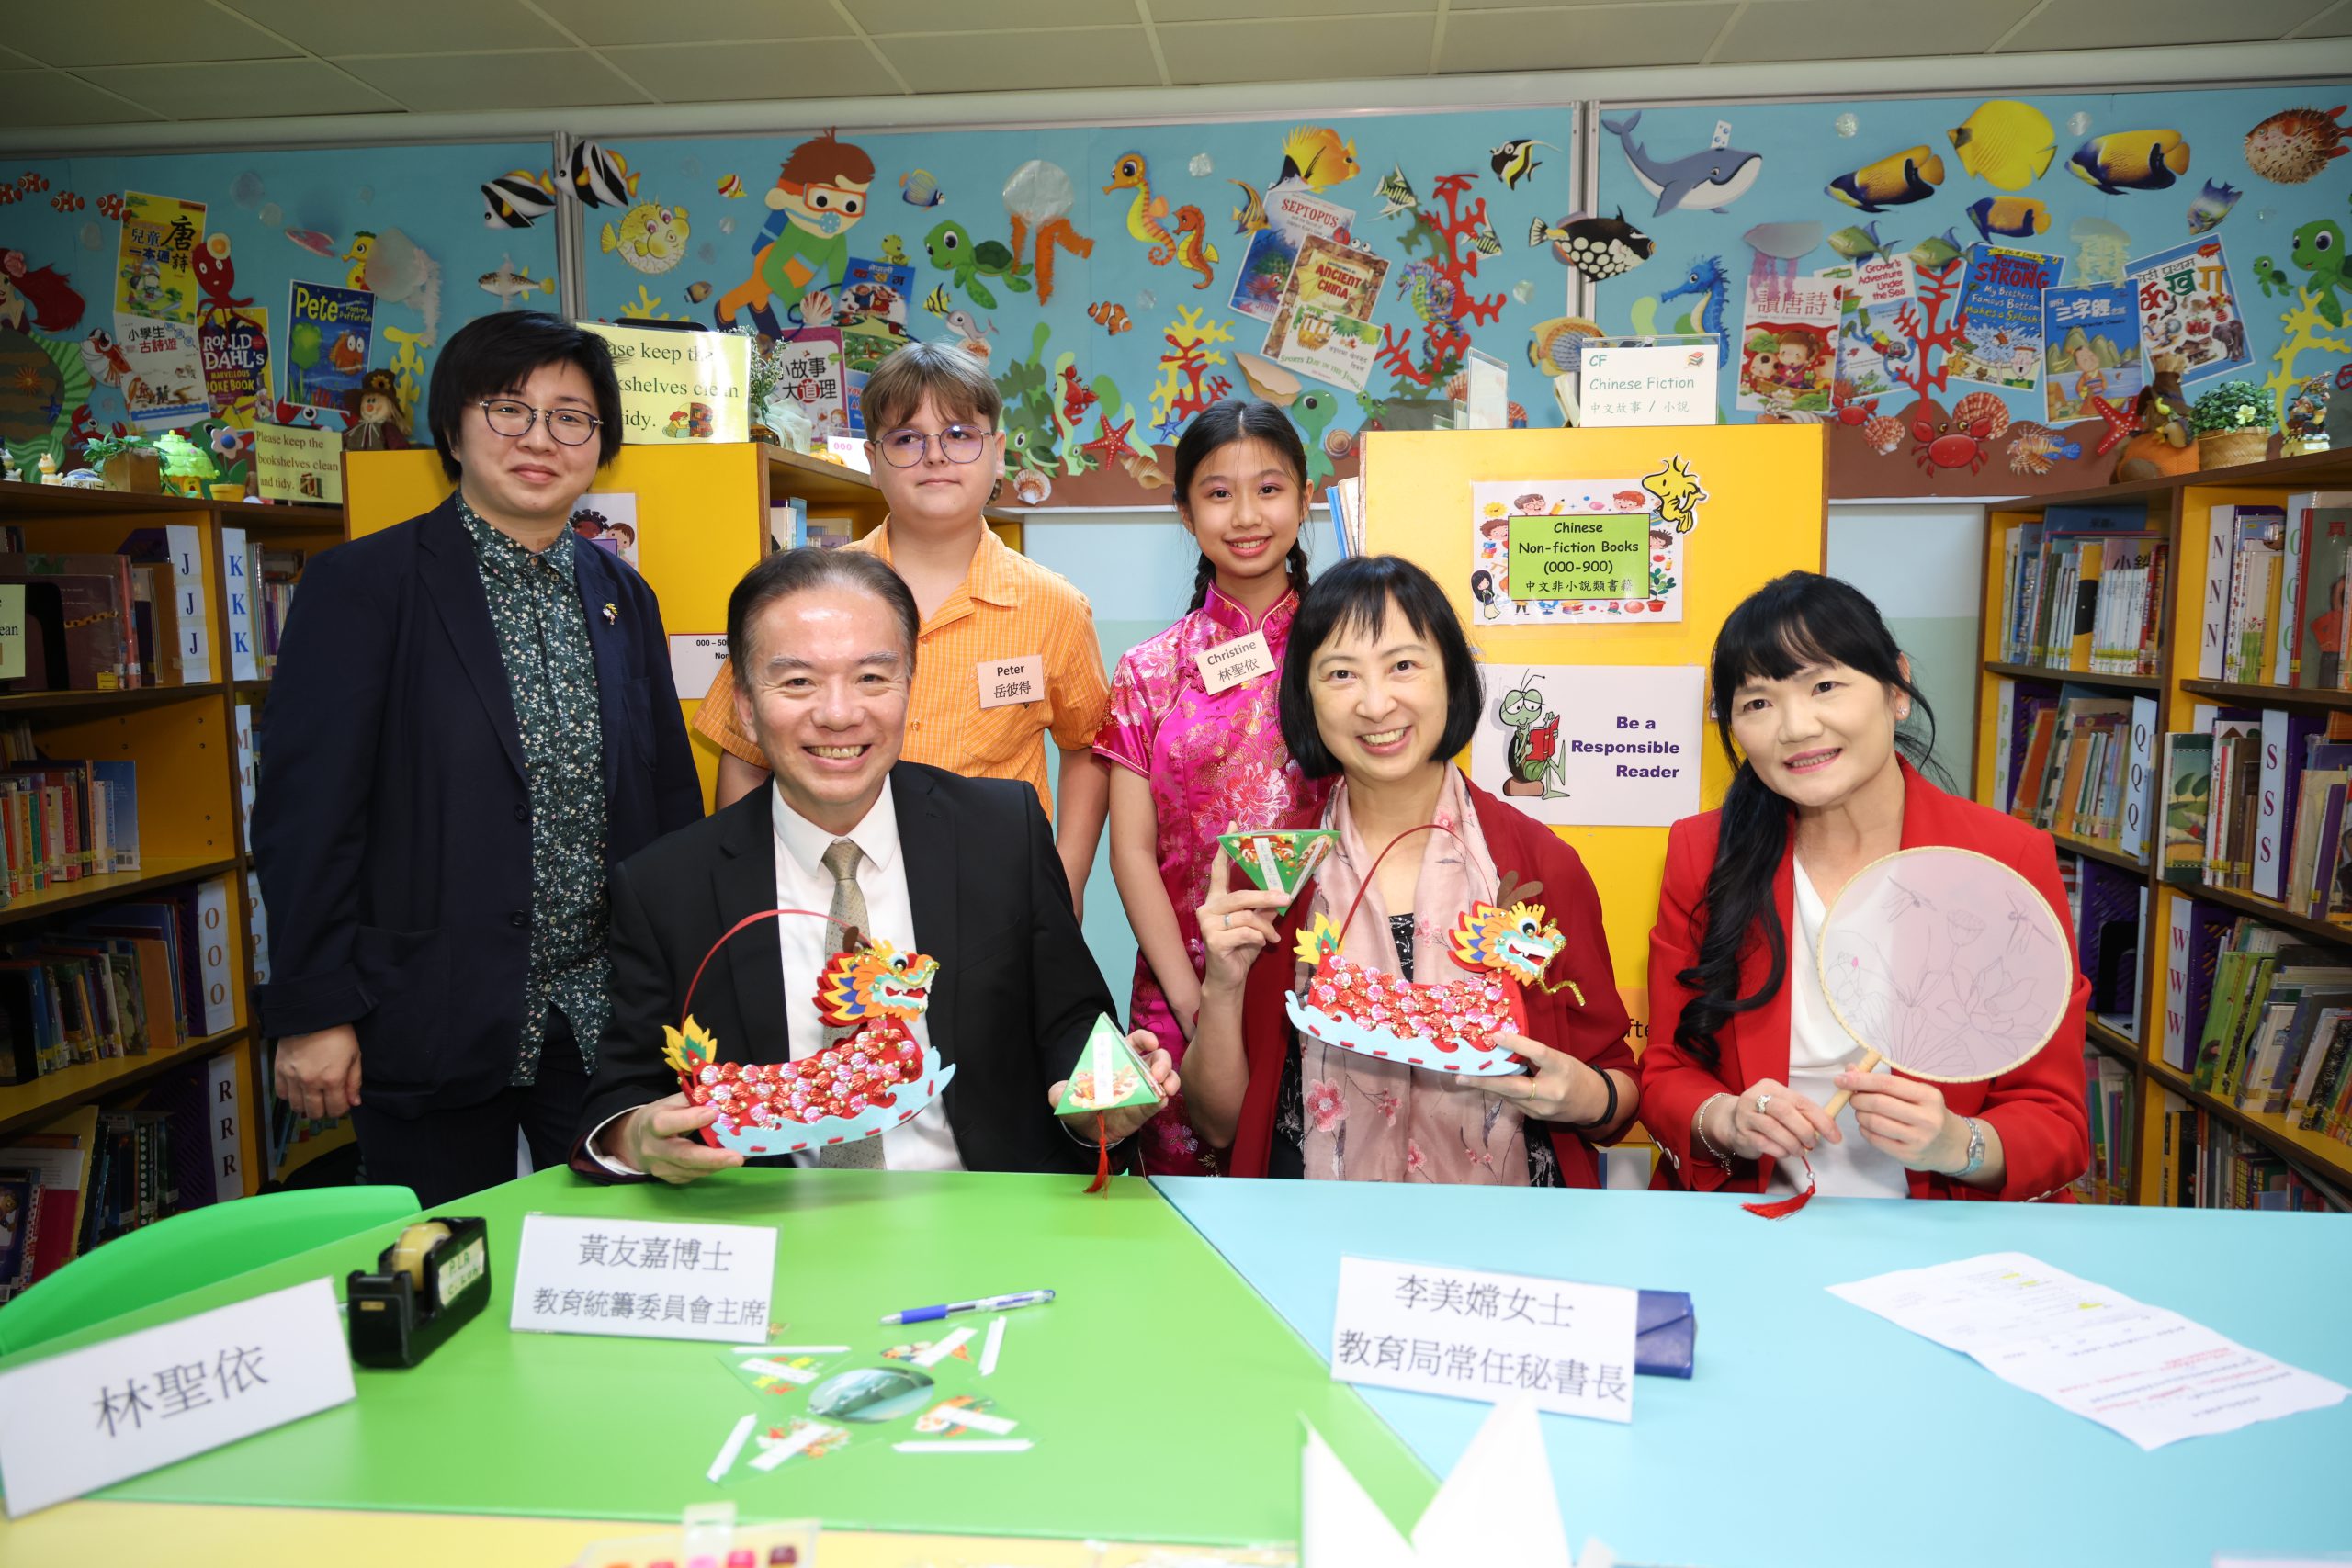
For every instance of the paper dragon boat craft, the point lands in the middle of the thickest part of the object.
(859, 1086)
(1445, 1024)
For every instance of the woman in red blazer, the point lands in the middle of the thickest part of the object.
(1810, 694)
(1378, 685)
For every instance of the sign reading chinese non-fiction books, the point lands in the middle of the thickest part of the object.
(643, 1279)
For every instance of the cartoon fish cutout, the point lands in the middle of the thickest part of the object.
(1860, 242)
(1600, 248)
(2132, 160)
(696, 292)
(917, 187)
(1314, 155)
(650, 237)
(963, 324)
(1712, 178)
(600, 178)
(731, 186)
(1515, 159)
(1111, 316)
(2293, 146)
(1251, 216)
(1898, 180)
(2009, 217)
(1396, 193)
(516, 198)
(1935, 251)
(509, 283)
(2211, 205)
(315, 242)
(2005, 143)
(348, 352)
(1556, 346)
(1485, 241)
(939, 302)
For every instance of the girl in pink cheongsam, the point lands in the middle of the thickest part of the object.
(1200, 750)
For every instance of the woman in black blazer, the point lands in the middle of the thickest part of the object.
(472, 720)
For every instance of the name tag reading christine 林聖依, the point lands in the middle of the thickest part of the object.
(1005, 682)
(74, 1422)
(1229, 664)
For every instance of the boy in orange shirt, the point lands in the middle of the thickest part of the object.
(1007, 650)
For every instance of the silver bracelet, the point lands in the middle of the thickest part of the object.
(1699, 1130)
(1975, 1148)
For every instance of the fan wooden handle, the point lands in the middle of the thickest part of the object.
(1871, 1059)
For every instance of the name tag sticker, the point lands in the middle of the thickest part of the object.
(1229, 664)
(1005, 682)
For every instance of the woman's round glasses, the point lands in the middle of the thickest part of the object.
(957, 444)
(510, 418)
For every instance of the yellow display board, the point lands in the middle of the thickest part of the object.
(1762, 513)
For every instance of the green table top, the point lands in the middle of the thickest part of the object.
(1163, 1394)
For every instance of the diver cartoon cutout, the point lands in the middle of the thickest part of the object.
(818, 196)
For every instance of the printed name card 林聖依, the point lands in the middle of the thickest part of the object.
(1468, 1334)
(643, 1279)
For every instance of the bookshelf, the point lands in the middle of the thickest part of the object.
(2178, 510)
(702, 517)
(181, 736)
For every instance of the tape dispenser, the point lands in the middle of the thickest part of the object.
(427, 1285)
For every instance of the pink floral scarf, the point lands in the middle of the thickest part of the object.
(1368, 1119)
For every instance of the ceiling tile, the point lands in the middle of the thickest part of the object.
(1004, 62)
(1856, 29)
(135, 32)
(240, 89)
(2334, 22)
(1272, 51)
(1575, 37)
(2090, 24)
(694, 73)
(51, 97)
(531, 79)
(1245, 10)
(11, 61)
(366, 30)
(599, 22)
(963, 15)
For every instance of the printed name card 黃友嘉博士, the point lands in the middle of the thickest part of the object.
(643, 1279)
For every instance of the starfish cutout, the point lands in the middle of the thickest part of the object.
(1111, 443)
(2120, 426)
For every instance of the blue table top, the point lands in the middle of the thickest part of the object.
(1814, 1432)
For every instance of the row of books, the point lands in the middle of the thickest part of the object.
(261, 595)
(2255, 802)
(2259, 1018)
(62, 821)
(2079, 593)
(2106, 1092)
(121, 980)
(2202, 1162)
(2075, 762)
(2273, 606)
(98, 1173)
(2108, 909)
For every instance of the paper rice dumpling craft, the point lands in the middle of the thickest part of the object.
(1446, 1024)
(1108, 1075)
(1279, 859)
(862, 1084)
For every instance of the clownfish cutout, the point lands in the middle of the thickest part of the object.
(861, 1086)
(1446, 1025)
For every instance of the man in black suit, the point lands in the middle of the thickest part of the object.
(472, 721)
(962, 869)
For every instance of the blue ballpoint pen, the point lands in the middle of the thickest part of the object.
(986, 1304)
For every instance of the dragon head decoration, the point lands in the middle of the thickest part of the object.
(874, 980)
(1519, 941)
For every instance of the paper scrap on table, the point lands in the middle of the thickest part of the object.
(730, 1448)
(2146, 1373)
(984, 1446)
(944, 1348)
(989, 1351)
(1498, 1509)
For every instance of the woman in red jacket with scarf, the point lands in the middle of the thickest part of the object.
(1378, 686)
(1810, 694)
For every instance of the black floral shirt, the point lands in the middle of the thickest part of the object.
(552, 673)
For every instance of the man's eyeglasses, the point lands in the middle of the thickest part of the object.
(957, 444)
(568, 425)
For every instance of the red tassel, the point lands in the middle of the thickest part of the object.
(1782, 1209)
(1101, 1155)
